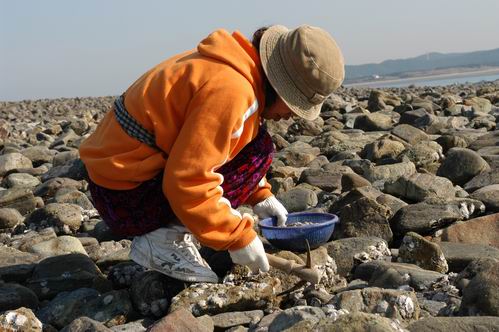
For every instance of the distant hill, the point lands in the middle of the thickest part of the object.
(423, 63)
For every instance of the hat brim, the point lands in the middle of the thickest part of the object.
(279, 78)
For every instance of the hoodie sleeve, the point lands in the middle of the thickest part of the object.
(191, 182)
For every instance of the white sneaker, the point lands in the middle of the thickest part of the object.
(173, 252)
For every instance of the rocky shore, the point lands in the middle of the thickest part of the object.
(413, 174)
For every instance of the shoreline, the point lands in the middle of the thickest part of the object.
(427, 77)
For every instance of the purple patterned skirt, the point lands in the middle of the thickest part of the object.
(145, 208)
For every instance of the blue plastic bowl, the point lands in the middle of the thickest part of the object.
(293, 238)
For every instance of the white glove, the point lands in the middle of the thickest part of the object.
(271, 207)
(253, 256)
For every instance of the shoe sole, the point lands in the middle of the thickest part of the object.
(138, 257)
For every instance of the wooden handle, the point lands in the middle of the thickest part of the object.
(309, 274)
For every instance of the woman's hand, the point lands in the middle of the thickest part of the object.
(271, 207)
(253, 256)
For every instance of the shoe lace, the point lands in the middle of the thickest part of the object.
(187, 243)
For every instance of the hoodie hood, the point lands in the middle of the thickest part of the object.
(236, 51)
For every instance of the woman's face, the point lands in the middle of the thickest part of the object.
(279, 110)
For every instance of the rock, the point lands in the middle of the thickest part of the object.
(318, 162)
(391, 303)
(349, 252)
(65, 218)
(25, 241)
(66, 307)
(115, 257)
(448, 142)
(21, 199)
(74, 169)
(50, 187)
(58, 246)
(13, 296)
(489, 195)
(9, 218)
(389, 172)
(20, 320)
(292, 316)
(62, 158)
(424, 103)
(459, 255)
(391, 202)
(428, 216)
(287, 172)
(73, 196)
(135, 326)
(15, 265)
(393, 275)
(481, 296)
(481, 230)
(178, 320)
(230, 319)
(418, 187)
(212, 299)
(461, 165)
(111, 308)
(410, 134)
(373, 122)
(425, 254)
(334, 142)
(482, 180)
(350, 181)
(377, 99)
(21, 180)
(151, 293)
(298, 154)
(65, 273)
(12, 161)
(306, 127)
(479, 104)
(328, 181)
(281, 185)
(489, 139)
(464, 324)
(382, 149)
(298, 199)
(84, 324)
(358, 322)
(122, 275)
(38, 155)
(423, 154)
(365, 217)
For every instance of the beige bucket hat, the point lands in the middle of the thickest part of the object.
(303, 65)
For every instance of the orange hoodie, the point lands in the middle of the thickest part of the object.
(203, 107)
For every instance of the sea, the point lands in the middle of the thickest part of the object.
(428, 81)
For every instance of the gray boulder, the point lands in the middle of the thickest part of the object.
(462, 324)
(390, 303)
(461, 165)
(13, 161)
(410, 134)
(349, 252)
(393, 275)
(481, 296)
(420, 186)
(365, 217)
(298, 199)
(489, 195)
(459, 255)
(417, 250)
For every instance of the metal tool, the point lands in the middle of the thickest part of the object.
(305, 272)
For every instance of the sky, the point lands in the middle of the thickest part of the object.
(62, 48)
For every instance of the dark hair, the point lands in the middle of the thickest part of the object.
(270, 93)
